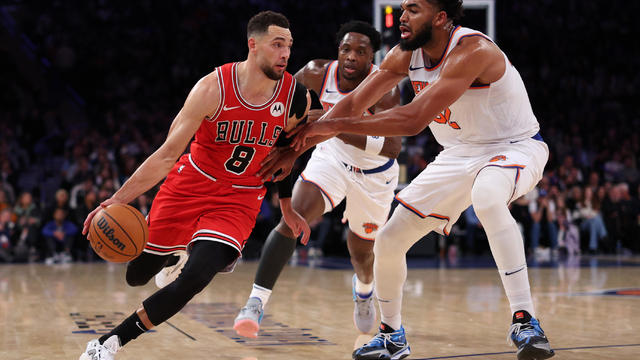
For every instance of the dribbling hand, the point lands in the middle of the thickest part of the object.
(87, 221)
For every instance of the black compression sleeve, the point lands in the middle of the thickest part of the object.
(299, 102)
(315, 101)
(285, 187)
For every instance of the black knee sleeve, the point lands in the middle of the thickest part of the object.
(205, 260)
(141, 269)
(276, 253)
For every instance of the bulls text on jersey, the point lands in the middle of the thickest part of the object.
(241, 132)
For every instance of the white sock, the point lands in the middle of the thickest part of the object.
(390, 312)
(261, 293)
(516, 286)
(508, 252)
(363, 290)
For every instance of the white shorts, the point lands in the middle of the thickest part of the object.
(443, 189)
(369, 196)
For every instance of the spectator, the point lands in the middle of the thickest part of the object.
(79, 191)
(61, 201)
(542, 212)
(28, 222)
(143, 204)
(59, 234)
(7, 232)
(82, 250)
(4, 202)
(588, 211)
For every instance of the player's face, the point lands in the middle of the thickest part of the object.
(273, 51)
(355, 55)
(416, 24)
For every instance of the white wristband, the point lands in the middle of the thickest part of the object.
(374, 144)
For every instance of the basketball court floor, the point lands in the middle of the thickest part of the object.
(589, 308)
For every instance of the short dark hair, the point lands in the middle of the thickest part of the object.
(259, 23)
(360, 27)
(453, 8)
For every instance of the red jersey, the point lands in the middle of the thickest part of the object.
(230, 145)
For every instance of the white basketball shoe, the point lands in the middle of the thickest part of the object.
(97, 351)
(167, 275)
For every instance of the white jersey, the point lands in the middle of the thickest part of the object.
(499, 112)
(349, 154)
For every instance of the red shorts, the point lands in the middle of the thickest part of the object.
(191, 205)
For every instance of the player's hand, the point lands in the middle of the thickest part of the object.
(279, 159)
(87, 221)
(295, 221)
(317, 128)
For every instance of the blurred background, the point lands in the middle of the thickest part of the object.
(89, 89)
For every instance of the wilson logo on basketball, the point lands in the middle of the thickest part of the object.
(369, 227)
(108, 232)
(498, 158)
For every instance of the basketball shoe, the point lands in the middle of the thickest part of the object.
(387, 344)
(247, 323)
(97, 351)
(364, 312)
(527, 335)
(169, 273)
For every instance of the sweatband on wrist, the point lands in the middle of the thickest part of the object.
(374, 144)
(285, 187)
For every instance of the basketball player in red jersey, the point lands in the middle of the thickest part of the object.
(358, 168)
(210, 199)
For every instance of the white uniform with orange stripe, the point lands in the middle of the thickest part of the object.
(340, 171)
(489, 125)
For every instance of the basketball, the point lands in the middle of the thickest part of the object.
(118, 233)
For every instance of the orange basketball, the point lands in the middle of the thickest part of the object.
(118, 233)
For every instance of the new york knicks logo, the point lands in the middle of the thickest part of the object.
(369, 227)
(277, 109)
(498, 158)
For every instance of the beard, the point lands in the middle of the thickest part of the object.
(270, 73)
(423, 35)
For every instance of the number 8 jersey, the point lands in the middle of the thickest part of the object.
(230, 144)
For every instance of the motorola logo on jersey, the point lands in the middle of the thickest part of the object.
(277, 109)
(243, 132)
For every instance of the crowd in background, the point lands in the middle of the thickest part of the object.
(132, 65)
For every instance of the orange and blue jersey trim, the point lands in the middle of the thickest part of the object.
(437, 65)
(324, 193)
(324, 79)
(479, 86)
(363, 238)
(423, 216)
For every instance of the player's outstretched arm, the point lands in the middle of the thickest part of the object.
(473, 59)
(203, 100)
(386, 146)
(295, 221)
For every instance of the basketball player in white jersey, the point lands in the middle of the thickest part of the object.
(475, 103)
(362, 169)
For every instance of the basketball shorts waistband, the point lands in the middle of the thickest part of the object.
(378, 169)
